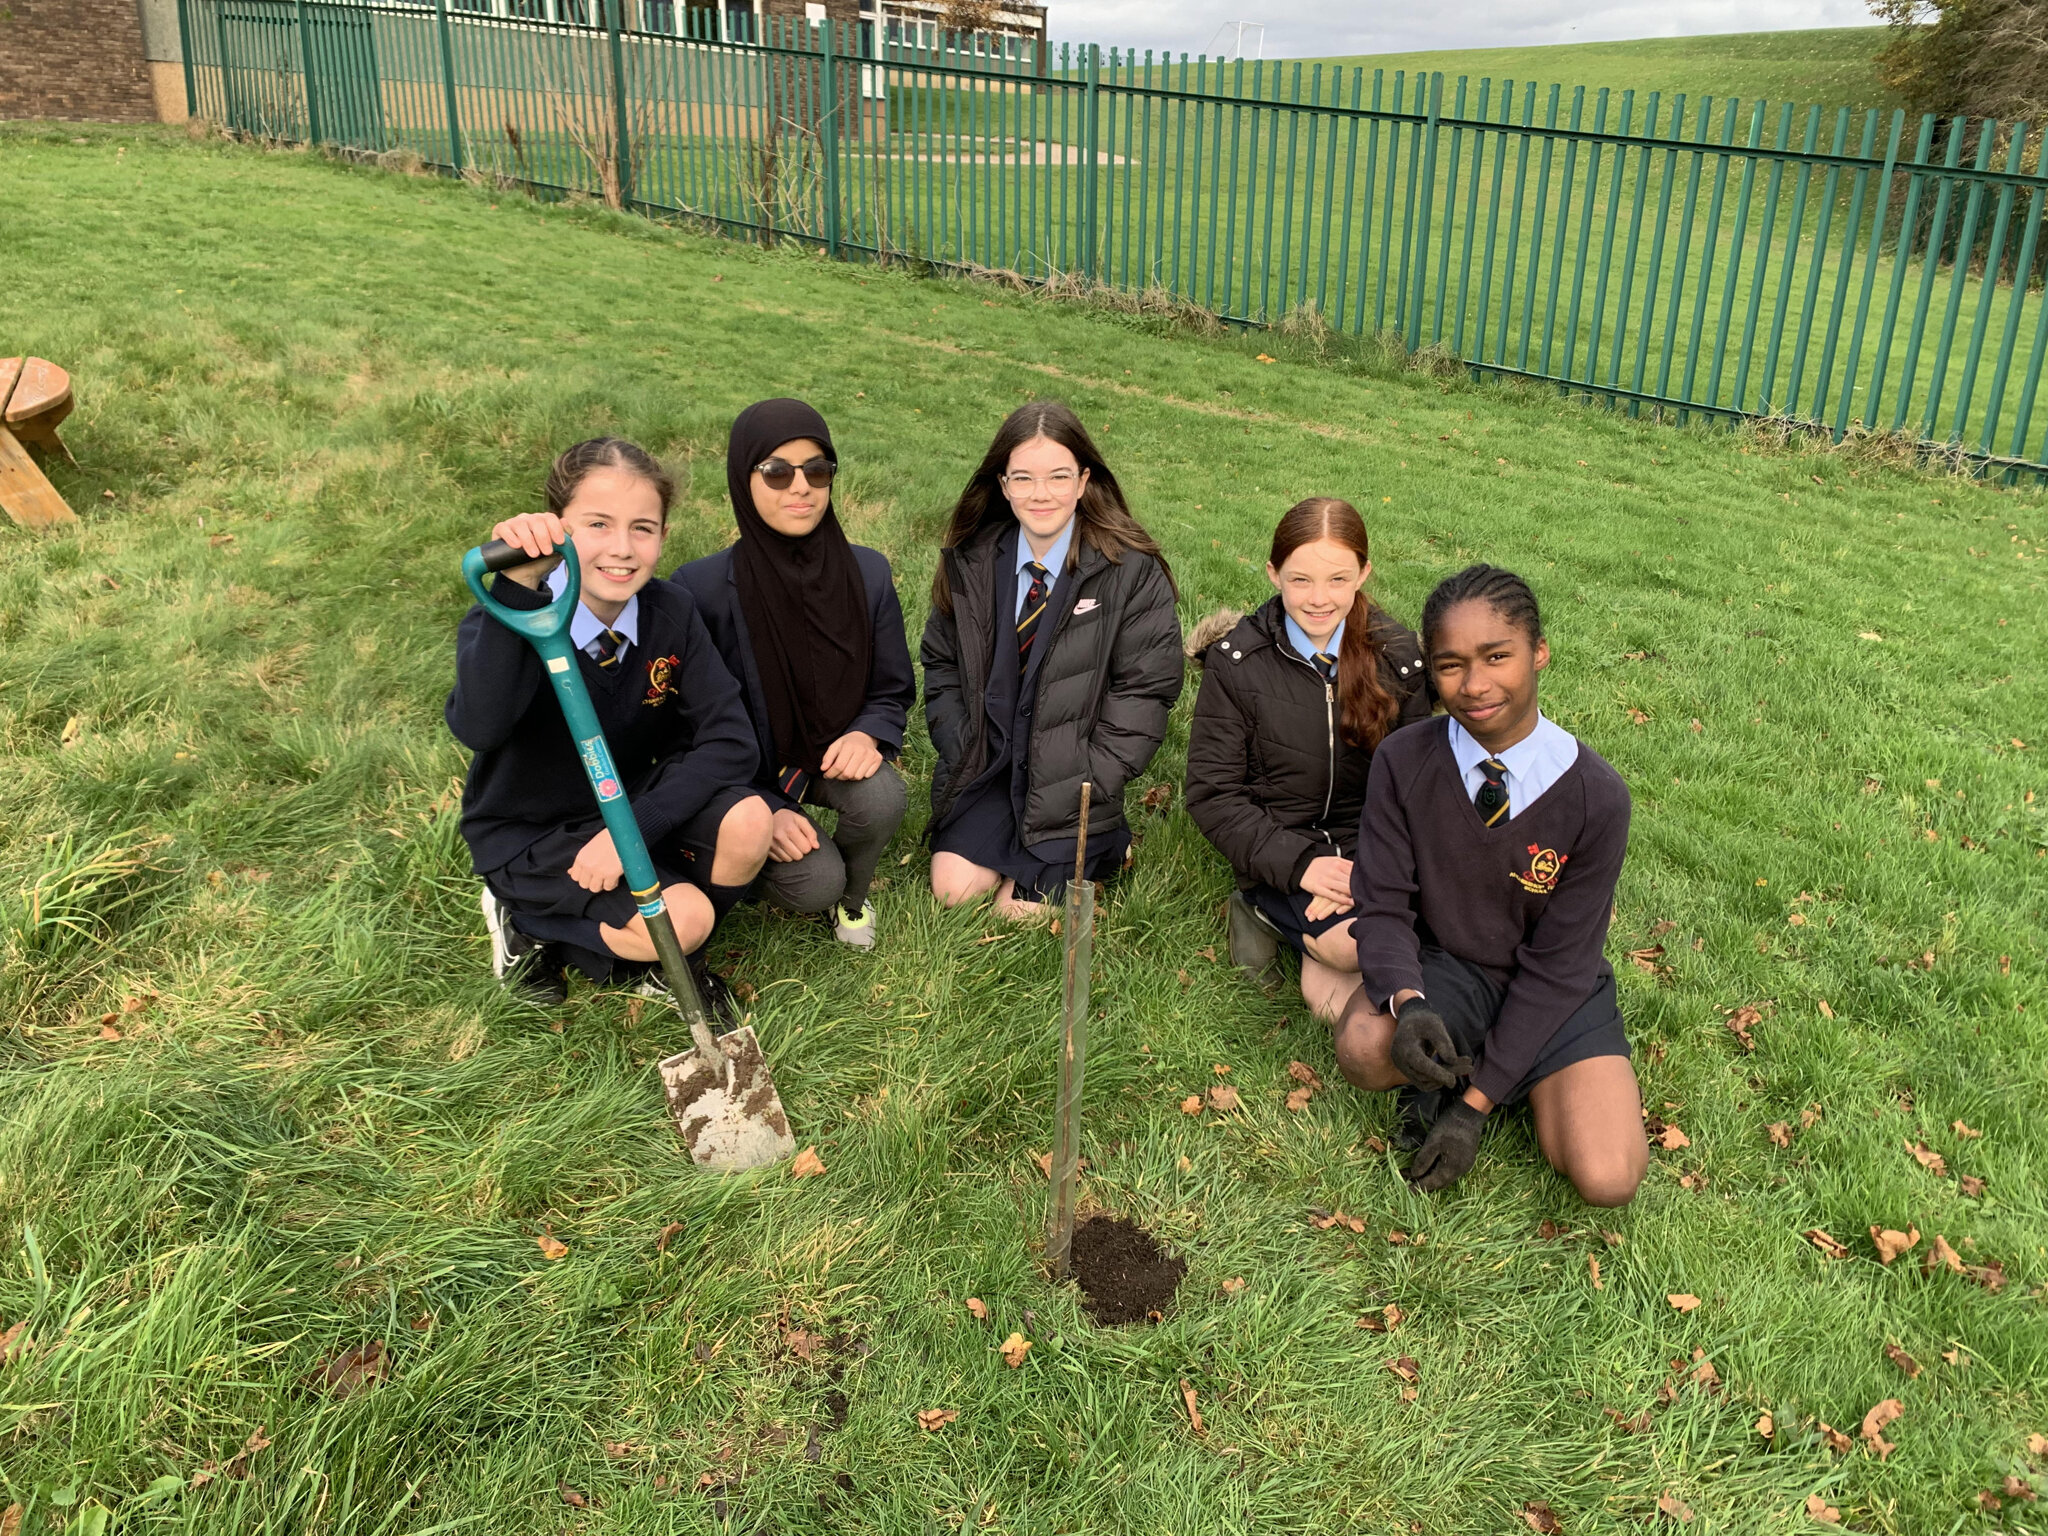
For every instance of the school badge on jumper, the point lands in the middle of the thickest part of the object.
(1545, 865)
(660, 671)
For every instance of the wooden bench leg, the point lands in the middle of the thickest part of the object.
(42, 435)
(27, 495)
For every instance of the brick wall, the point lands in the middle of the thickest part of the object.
(77, 59)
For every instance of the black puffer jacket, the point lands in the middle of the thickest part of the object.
(1105, 685)
(1271, 782)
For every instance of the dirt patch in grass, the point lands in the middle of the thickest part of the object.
(1125, 1277)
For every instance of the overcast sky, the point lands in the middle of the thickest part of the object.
(1306, 28)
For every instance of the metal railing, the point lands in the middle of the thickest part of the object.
(1852, 272)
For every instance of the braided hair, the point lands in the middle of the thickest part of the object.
(579, 459)
(1503, 591)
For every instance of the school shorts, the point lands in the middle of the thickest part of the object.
(544, 903)
(1288, 912)
(1468, 1001)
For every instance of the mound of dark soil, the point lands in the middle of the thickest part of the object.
(1124, 1275)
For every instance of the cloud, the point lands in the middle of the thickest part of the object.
(1309, 29)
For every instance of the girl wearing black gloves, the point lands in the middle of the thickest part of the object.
(1487, 860)
(1294, 700)
(1052, 656)
(810, 626)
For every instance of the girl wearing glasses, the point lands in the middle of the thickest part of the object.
(810, 625)
(1052, 656)
(1294, 700)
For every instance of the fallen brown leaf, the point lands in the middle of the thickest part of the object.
(1646, 959)
(1703, 1373)
(1902, 1360)
(1825, 1011)
(1941, 1253)
(1780, 1133)
(1375, 1146)
(1809, 1117)
(668, 1235)
(807, 1164)
(2019, 1488)
(1874, 1422)
(1927, 1158)
(570, 1496)
(1835, 1440)
(1671, 1504)
(352, 1370)
(2037, 1445)
(1234, 1285)
(1223, 1097)
(1191, 1105)
(1305, 1075)
(1953, 1356)
(10, 1520)
(1964, 1131)
(1404, 1366)
(1683, 1302)
(1671, 1138)
(1822, 1510)
(1766, 1426)
(1541, 1517)
(1639, 1425)
(551, 1247)
(1742, 1021)
(1187, 1395)
(803, 1343)
(1826, 1244)
(979, 1308)
(1014, 1349)
(1593, 1265)
(1991, 1276)
(1969, 1186)
(1988, 1502)
(932, 1420)
(108, 1032)
(1891, 1243)
(1297, 1099)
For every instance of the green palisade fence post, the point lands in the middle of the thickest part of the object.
(1427, 200)
(1091, 128)
(1667, 353)
(1367, 251)
(448, 87)
(1766, 235)
(1796, 226)
(1447, 236)
(1564, 222)
(306, 75)
(1514, 245)
(828, 135)
(1737, 242)
(623, 148)
(1710, 249)
(1902, 258)
(1350, 185)
(1592, 199)
(2021, 271)
(1877, 220)
(1994, 259)
(2038, 361)
(1959, 274)
(1843, 270)
(1635, 230)
(1615, 177)
(1494, 184)
(1930, 265)
(227, 100)
(185, 53)
(1474, 177)
(1536, 228)
(1830, 188)
(1674, 135)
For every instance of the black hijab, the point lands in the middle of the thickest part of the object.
(805, 603)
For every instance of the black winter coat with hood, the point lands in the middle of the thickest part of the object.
(1271, 780)
(1105, 684)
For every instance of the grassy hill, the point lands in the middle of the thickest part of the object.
(1831, 67)
(261, 1104)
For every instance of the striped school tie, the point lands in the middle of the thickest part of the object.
(1492, 799)
(606, 647)
(1034, 607)
(1327, 665)
(793, 782)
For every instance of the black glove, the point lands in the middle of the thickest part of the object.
(1423, 1051)
(1447, 1155)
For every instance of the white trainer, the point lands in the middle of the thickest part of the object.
(857, 930)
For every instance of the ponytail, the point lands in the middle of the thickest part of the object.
(1367, 708)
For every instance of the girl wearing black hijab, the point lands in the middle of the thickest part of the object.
(811, 627)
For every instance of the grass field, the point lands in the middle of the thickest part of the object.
(312, 1122)
(1829, 67)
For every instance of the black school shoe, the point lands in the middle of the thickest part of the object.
(529, 969)
(720, 1006)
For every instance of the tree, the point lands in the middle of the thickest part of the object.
(1978, 58)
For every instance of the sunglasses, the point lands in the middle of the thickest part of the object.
(780, 474)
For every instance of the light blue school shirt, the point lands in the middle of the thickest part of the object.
(1298, 638)
(585, 626)
(1053, 561)
(1533, 764)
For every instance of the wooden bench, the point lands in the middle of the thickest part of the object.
(35, 395)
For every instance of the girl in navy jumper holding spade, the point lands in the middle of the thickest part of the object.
(1488, 853)
(1051, 657)
(554, 890)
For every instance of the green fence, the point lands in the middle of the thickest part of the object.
(1852, 272)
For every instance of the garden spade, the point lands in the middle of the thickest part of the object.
(1066, 1119)
(720, 1091)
